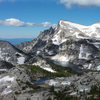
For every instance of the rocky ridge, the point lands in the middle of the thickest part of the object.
(68, 45)
(11, 54)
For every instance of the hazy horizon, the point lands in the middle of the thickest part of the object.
(16, 40)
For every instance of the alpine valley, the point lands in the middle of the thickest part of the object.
(62, 63)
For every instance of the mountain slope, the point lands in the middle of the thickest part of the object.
(67, 29)
(69, 45)
(10, 53)
(38, 42)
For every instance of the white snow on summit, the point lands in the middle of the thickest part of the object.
(89, 30)
(67, 28)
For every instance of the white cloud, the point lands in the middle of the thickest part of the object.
(19, 23)
(69, 3)
(45, 24)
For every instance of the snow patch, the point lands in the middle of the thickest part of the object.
(42, 64)
(38, 52)
(53, 83)
(57, 40)
(60, 59)
(6, 91)
(77, 34)
(7, 58)
(82, 90)
(48, 69)
(90, 31)
(73, 93)
(20, 60)
(96, 44)
(3, 55)
(65, 83)
(90, 65)
(82, 54)
(7, 79)
(98, 68)
(3, 70)
(6, 83)
(49, 52)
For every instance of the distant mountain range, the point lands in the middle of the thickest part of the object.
(16, 40)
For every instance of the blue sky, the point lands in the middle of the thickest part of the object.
(26, 18)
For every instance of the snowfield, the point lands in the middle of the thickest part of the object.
(20, 60)
(6, 91)
(48, 69)
(6, 83)
(89, 30)
(61, 59)
(74, 29)
(6, 79)
(83, 54)
(42, 64)
(3, 70)
(54, 82)
(98, 68)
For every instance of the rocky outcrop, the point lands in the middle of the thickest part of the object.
(78, 45)
(11, 54)
(70, 45)
(13, 82)
(38, 42)
(5, 65)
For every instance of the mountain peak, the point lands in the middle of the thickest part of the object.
(97, 25)
(11, 54)
(66, 29)
(69, 23)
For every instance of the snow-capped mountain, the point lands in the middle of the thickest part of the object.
(38, 42)
(79, 45)
(67, 29)
(10, 53)
(70, 45)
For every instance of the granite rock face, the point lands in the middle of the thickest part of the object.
(11, 54)
(38, 42)
(12, 82)
(69, 45)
